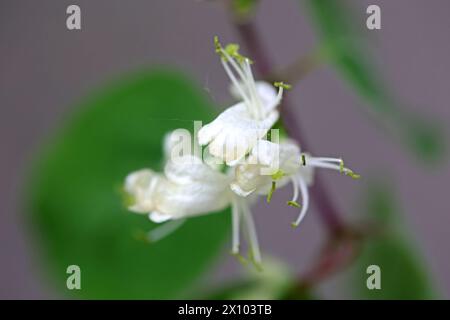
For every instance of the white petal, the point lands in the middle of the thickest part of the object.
(257, 175)
(193, 199)
(239, 191)
(307, 173)
(234, 132)
(192, 188)
(177, 143)
(142, 186)
(248, 179)
(290, 156)
(267, 93)
(158, 217)
(265, 153)
(138, 180)
(190, 169)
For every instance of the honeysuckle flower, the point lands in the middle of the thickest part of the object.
(189, 187)
(237, 130)
(294, 167)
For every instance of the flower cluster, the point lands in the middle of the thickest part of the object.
(252, 165)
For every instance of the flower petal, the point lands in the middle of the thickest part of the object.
(255, 176)
(193, 199)
(267, 93)
(190, 169)
(235, 132)
(142, 186)
(159, 217)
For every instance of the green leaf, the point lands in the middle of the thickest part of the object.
(342, 45)
(75, 202)
(403, 274)
(243, 8)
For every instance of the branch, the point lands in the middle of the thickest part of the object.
(298, 70)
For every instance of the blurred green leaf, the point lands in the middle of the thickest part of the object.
(343, 47)
(403, 274)
(77, 209)
(243, 8)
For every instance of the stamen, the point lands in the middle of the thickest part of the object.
(258, 265)
(235, 82)
(326, 163)
(247, 90)
(245, 73)
(272, 190)
(281, 84)
(235, 66)
(295, 187)
(240, 258)
(164, 230)
(328, 159)
(233, 50)
(277, 99)
(293, 204)
(235, 223)
(252, 89)
(305, 199)
(352, 175)
(347, 171)
(218, 47)
(255, 253)
(303, 160)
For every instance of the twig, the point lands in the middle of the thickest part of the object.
(298, 70)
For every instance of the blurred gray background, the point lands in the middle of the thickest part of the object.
(45, 69)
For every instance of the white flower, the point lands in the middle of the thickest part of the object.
(236, 130)
(189, 187)
(294, 167)
(265, 161)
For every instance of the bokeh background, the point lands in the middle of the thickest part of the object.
(45, 69)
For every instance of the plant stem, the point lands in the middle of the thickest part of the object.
(328, 213)
(298, 70)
